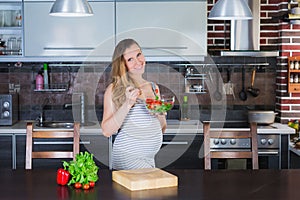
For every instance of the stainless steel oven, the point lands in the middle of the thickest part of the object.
(269, 151)
(272, 148)
(9, 111)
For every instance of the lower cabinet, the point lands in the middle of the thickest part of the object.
(6, 152)
(183, 151)
(20, 151)
(95, 144)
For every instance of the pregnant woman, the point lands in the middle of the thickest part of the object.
(138, 133)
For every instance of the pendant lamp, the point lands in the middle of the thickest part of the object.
(230, 10)
(71, 8)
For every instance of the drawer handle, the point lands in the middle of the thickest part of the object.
(185, 143)
(60, 142)
(149, 48)
(68, 48)
(268, 152)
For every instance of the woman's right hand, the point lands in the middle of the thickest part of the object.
(131, 94)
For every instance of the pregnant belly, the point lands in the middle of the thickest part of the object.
(131, 144)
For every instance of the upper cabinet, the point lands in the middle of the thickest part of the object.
(166, 30)
(72, 37)
(11, 31)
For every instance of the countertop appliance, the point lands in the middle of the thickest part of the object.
(9, 104)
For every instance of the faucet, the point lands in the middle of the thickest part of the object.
(82, 107)
(41, 118)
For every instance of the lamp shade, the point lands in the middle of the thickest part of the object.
(230, 10)
(71, 8)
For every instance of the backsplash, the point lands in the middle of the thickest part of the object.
(92, 79)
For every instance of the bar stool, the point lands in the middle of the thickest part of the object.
(56, 134)
(226, 153)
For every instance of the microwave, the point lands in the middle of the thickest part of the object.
(9, 109)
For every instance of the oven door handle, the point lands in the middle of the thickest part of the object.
(268, 152)
(184, 143)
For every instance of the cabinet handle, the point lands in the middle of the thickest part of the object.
(185, 143)
(149, 48)
(69, 48)
(59, 142)
(268, 152)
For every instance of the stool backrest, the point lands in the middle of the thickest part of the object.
(226, 153)
(32, 133)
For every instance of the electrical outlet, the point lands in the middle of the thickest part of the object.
(14, 88)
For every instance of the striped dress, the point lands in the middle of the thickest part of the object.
(138, 140)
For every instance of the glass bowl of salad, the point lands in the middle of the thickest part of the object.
(160, 106)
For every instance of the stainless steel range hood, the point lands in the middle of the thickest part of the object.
(245, 35)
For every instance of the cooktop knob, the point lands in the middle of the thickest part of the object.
(233, 141)
(223, 141)
(6, 104)
(263, 141)
(216, 141)
(6, 114)
(270, 141)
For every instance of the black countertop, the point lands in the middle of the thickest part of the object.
(192, 184)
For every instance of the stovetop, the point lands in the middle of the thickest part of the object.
(269, 141)
(237, 124)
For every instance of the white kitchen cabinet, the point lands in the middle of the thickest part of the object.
(166, 30)
(11, 30)
(73, 37)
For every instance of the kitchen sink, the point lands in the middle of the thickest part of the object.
(62, 124)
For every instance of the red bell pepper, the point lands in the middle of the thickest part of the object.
(62, 177)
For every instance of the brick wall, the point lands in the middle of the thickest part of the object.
(287, 104)
(276, 34)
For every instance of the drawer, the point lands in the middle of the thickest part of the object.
(294, 87)
(181, 152)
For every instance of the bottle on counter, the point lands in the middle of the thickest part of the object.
(39, 81)
(185, 109)
(46, 76)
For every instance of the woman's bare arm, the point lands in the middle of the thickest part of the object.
(112, 117)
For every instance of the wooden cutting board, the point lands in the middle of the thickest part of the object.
(143, 179)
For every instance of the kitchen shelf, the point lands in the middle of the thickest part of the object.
(195, 79)
(195, 91)
(224, 64)
(61, 87)
(293, 86)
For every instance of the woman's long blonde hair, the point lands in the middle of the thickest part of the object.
(120, 78)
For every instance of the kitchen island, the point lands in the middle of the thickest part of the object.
(192, 185)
